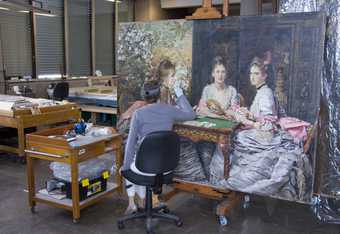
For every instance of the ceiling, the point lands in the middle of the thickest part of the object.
(190, 3)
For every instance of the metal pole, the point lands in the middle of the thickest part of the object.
(116, 30)
(3, 62)
(66, 40)
(93, 36)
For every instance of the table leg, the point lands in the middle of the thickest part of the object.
(75, 188)
(93, 117)
(224, 143)
(31, 182)
(226, 206)
(21, 139)
(119, 163)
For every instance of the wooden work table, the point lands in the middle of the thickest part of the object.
(21, 119)
(97, 109)
(95, 100)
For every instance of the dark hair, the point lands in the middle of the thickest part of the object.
(150, 91)
(163, 68)
(218, 60)
(260, 64)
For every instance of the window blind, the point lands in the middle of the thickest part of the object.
(79, 12)
(16, 46)
(104, 36)
(50, 40)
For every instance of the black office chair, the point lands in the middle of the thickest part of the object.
(60, 91)
(157, 154)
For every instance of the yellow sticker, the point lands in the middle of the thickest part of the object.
(105, 174)
(85, 182)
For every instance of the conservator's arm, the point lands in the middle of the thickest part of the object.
(131, 143)
(185, 111)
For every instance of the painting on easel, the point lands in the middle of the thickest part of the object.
(263, 72)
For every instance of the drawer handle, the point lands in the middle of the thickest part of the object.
(82, 151)
(44, 154)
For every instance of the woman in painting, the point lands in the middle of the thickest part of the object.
(166, 76)
(265, 159)
(218, 101)
(262, 112)
(218, 98)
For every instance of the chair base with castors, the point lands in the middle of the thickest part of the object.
(161, 212)
(158, 156)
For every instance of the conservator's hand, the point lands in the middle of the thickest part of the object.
(177, 89)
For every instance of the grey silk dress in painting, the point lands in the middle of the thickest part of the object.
(266, 160)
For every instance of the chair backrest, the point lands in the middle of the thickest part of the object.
(61, 91)
(158, 152)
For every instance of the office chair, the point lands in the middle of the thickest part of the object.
(157, 154)
(60, 91)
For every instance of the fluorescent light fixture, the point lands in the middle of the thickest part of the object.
(118, 1)
(21, 5)
(50, 76)
(24, 11)
(44, 14)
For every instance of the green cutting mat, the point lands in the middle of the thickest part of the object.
(220, 123)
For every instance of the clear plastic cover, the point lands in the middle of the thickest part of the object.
(326, 207)
(89, 169)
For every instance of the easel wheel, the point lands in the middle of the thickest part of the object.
(223, 220)
(33, 211)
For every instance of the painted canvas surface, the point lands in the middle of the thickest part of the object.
(153, 50)
(264, 73)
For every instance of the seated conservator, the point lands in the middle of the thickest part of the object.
(155, 116)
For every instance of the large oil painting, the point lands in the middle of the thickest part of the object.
(260, 75)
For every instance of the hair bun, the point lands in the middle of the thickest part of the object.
(151, 90)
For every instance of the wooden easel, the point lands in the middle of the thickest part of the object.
(275, 8)
(207, 11)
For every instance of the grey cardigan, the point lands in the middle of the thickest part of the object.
(151, 118)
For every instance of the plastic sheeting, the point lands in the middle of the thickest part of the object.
(327, 209)
(328, 157)
(90, 169)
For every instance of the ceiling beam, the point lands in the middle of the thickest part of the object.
(191, 3)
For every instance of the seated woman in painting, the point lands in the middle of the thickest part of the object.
(265, 159)
(262, 112)
(218, 98)
(166, 76)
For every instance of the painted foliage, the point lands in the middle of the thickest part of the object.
(141, 49)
